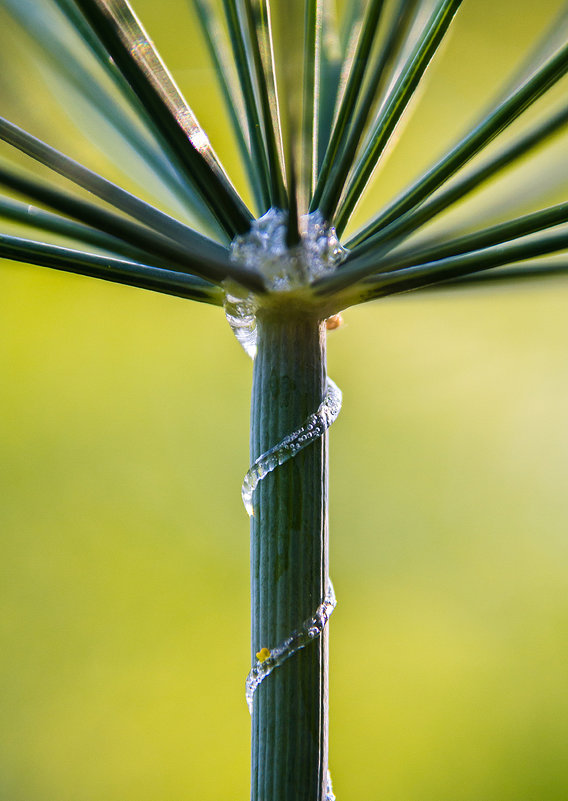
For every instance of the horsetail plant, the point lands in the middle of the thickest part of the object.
(316, 100)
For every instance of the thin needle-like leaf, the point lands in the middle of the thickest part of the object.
(110, 269)
(293, 224)
(297, 54)
(352, 91)
(369, 238)
(180, 184)
(289, 50)
(42, 220)
(257, 14)
(245, 72)
(454, 267)
(207, 251)
(55, 48)
(211, 263)
(310, 101)
(417, 16)
(389, 118)
(127, 43)
(350, 29)
(504, 275)
(79, 23)
(408, 21)
(488, 237)
(369, 267)
(478, 138)
(218, 47)
(345, 151)
(330, 72)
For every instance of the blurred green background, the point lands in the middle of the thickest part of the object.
(124, 555)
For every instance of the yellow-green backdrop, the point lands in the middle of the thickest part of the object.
(124, 544)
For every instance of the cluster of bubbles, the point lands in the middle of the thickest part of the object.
(313, 428)
(265, 249)
(308, 631)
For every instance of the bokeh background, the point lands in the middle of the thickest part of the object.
(123, 550)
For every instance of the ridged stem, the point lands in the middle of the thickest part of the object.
(289, 563)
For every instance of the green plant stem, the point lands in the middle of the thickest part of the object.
(289, 562)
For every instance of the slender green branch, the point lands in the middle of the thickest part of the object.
(455, 266)
(109, 269)
(260, 42)
(101, 187)
(293, 223)
(380, 239)
(389, 117)
(57, 50)
(203, 254)
(41, 220)
(310, 100)
(289, 55)
(211, 263)
(505, 275)
(330, 71)
(181, 185)
(345, 151)
(488, 237)
(234, 96)
(351, 94)
(121, 33)
(350, 29)
(478, 138)
(78, 22)
(245, 71)
(351, 21)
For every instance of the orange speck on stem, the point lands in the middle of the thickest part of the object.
(263, 654)
(334, 322)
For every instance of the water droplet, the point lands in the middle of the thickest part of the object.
(329, 795)
(240, 311)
